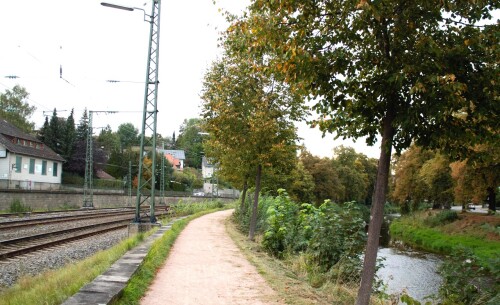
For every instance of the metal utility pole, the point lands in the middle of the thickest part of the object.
(88, 186)
(162, 177)
(88, 191)
(146, 176)
(130, 182)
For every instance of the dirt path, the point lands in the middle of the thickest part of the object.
(205, 267)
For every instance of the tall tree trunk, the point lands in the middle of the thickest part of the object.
(377, 213)
(491, 199)
(243, 195)
(253, 220)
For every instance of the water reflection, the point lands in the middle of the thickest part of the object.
(410, 270)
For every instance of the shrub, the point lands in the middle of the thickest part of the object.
(441, 218)
(242, 215)
(17, 207)
(337, 232)
(281, 225)
(466, 282)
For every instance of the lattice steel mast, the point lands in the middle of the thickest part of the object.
(146, 175)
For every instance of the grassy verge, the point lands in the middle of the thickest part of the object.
(289, 278)
(414, 232)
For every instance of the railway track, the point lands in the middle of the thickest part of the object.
(14, 247)
(15, 224)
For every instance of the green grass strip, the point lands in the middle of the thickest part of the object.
(158, 253)
(433, 240)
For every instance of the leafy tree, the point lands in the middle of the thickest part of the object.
(407, 71)
(108, 140)
(190, 140)
(15, 109)
(409, 189)
(477, 179)
(83, 127)
(119, 161)
(327, 184)
(77, 163)
(302, 184)
(55, 133)
(128, 135)
(249, 120)
(42, 133)
(436, 175)
(69, 137)
(356, 173)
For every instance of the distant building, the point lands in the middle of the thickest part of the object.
(26, 162)
(208, 173)
(175, 157)
(207, 169)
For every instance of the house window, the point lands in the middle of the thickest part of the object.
(54, 169)
(18, 164)
(32, 166)
(44, 167)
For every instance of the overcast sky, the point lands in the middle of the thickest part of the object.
(94, 44)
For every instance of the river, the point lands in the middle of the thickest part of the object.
(410, 270)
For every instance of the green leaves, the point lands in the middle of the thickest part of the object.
(15, 109)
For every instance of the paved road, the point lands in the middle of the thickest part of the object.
(205, 267)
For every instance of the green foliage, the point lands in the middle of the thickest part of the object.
(186, 208)
(191, 141)
(466, 282)
(128, 135)
(282, 225)
(406, 299)
(15, 109)
(243, 214)
(331, 236)
(348, 176)
(107, 184)
(17, 206)
(391, 208)
(337, 233)
(441, 218)
(72, 179)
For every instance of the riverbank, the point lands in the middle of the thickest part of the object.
(441, 232)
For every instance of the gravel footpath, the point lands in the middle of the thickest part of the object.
(53, 258)
(206, 267)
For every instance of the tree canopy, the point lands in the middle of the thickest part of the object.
(190, 140)
(415, 71)
(15, 109)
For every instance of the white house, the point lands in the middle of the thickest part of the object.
(25, 162)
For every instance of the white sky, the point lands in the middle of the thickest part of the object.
(100, 43)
